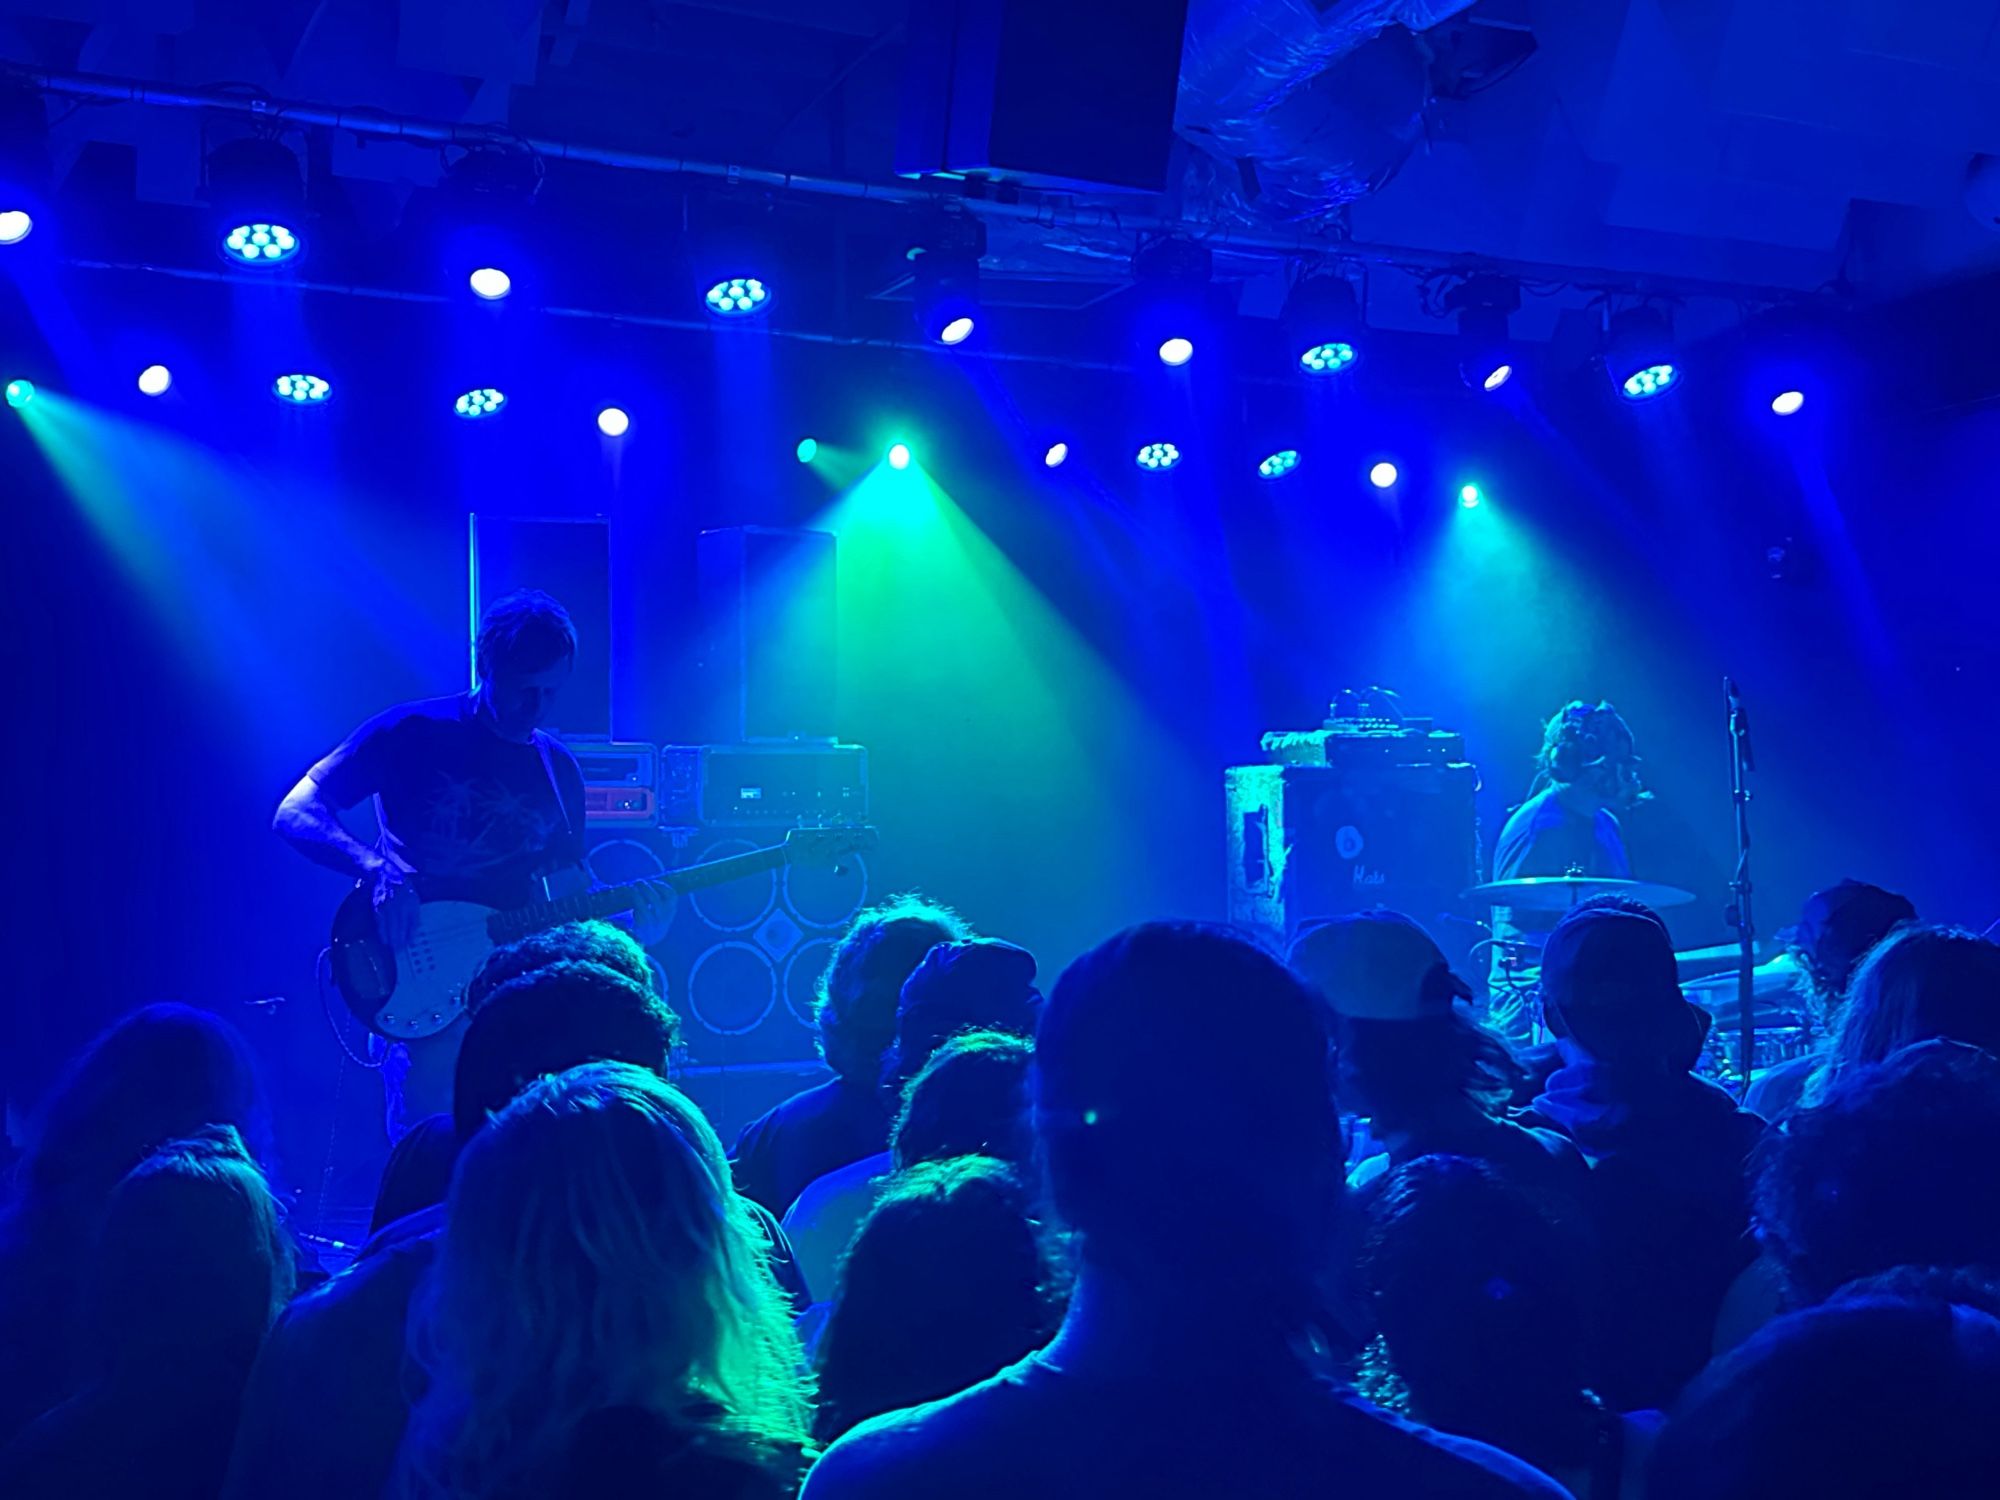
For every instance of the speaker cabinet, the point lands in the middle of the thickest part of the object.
(767, 606)
(1321, 841)
(741, 962)
(1052, 93)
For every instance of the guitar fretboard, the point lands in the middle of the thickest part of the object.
(608, 901)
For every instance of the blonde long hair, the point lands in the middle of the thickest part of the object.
(595, 1255)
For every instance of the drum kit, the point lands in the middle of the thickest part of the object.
(1785, 1027)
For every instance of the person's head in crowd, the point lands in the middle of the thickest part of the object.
(1408, 1053)
(156, 1075)
(947, 1282)
(1183, 1090)
(1919, 983)
(973, 984)
(187, 1273)
(556, 1017)
(1480, 1290)
(1837, 928)
(1855, 1400)
(859, 992)
(578, 942)
(971, 1099)
(192, 1265)
(1895, 1166)
(1611, 990)
(595, 1255)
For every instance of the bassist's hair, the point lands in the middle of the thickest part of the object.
(527, 630)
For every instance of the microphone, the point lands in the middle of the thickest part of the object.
(1739, 722)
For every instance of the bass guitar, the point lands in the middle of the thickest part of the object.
(418, 989)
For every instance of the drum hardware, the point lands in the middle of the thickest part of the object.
(1561, 892)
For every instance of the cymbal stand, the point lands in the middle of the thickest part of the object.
(1742, 761)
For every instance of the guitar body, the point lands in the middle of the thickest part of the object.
(417, 990)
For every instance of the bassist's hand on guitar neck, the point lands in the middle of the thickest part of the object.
(653, 905)
(396, 905)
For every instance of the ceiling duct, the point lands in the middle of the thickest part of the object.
(1305, 106)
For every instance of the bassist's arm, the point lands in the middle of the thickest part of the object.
(311, 824)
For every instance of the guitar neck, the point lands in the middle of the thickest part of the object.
(610, 900)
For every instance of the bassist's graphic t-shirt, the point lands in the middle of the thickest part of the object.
(475, 815)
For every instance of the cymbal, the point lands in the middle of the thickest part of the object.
(1561, 892)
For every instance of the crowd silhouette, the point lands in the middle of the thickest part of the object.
(1205, 1219)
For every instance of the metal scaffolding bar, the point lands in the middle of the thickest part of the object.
(1048, 212)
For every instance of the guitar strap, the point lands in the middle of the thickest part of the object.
(555, 786)
(562, 807)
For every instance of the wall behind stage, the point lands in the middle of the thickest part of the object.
(1050, 668)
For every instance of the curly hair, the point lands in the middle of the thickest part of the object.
(1893, 1167)
(559, 1016)
(1591, 745)
(858, 993)
(584, 942)
(595, 1255)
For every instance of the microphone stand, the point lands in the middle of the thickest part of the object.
(1742, 761)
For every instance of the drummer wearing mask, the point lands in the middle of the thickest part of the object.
(1586, 775)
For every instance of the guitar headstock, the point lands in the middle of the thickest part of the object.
(825, 845)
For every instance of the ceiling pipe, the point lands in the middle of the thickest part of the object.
(379, 125)
(371, 293)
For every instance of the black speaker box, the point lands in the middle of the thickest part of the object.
(1052, 93)
(1322, 841)
(765, 669)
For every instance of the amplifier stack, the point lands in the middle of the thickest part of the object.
(1365, 812)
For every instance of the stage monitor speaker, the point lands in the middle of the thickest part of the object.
(571, 560)
(768, 624)
(1048, 93)
(1322, 841)
(741, 962)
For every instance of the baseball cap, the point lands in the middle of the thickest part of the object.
(1377, 966)
(1609, 972)
(972, 983)
(1838, 925)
